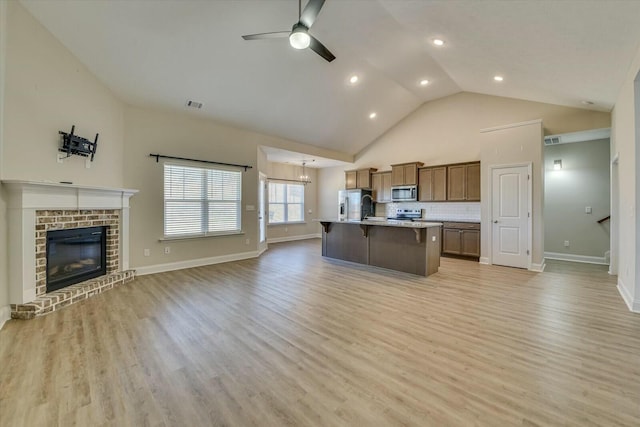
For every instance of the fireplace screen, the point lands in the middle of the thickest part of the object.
(75, 255)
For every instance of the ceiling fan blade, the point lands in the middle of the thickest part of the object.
(273, 35)
(310, 12)
(319, 48)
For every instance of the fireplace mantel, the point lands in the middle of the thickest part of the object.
(26, 197)
(52, 195)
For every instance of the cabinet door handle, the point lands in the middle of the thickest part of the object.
(495, 222)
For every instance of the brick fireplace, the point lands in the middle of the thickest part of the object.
(36, 208)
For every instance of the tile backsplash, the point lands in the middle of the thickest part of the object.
(467, 211)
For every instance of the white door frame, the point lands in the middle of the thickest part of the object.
(614, 236)
(262, 209)
(529, 166)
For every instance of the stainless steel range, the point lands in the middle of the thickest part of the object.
(407, 214)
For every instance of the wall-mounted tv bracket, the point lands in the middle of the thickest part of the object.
(74, 144)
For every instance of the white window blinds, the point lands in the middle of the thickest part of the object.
(286, 203)
(201, 201)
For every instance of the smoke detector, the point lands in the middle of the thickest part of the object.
(194, 104)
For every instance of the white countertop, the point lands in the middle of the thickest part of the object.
(386, 223)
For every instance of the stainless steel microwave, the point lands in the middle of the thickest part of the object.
(404, 193)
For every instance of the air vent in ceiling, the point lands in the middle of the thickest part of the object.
(582, 136)
(551, 140)
(194, 104)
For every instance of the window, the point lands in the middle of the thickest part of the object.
(286, 203)
(201, 201)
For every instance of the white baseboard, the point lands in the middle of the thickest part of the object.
(5, 314)
(484, 260)
(171, 266)
(576, 258)
(260, 252)
(626, 296)
(539, 268)
(292, 238)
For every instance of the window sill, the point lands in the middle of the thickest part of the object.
(200, 236)
(286, 223)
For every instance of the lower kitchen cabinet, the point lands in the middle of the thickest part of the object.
(461, 238)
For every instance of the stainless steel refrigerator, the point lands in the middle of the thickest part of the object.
(355, 205)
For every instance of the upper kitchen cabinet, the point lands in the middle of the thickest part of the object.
(360, 178)
(463, 182)
(405, 173)
(432, 184)
(381, 186)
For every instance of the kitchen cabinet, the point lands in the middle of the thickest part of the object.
(405, 173)
(381, 186)
(350, 180)
(432, 184)
(463, 182)
(461, 238)
(360, 178)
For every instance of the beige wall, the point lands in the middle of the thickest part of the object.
(183, 135)
(47, 90)
(4, 277)
(513, 145)
(447, 130)
(332, 180)
(625, 140)
(282, 232)
(583, 181)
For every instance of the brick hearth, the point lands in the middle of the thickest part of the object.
(47, 220)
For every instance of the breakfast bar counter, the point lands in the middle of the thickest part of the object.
(411, 247)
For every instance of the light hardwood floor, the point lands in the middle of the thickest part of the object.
(295, 339)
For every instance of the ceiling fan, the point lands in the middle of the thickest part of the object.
(299, 36)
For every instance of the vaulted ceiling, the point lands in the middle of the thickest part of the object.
(163, 53)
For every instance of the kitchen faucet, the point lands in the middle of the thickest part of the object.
(372, 202)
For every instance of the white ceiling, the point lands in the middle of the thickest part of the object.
(163, 53)
(279, 155)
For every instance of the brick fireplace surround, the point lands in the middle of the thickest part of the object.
(36, 207)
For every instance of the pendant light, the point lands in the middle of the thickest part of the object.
(304, 178)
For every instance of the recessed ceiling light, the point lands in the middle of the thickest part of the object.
(498, 78)
(424, 82)
(373, 115)
(354, 79)
(438, 42)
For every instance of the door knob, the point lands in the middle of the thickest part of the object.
(495, 222)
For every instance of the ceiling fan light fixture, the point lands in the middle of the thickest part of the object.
(299, 38)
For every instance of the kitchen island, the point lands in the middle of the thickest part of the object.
(412, 247)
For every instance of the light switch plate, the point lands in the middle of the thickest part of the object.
(250, 208)
(587, 209)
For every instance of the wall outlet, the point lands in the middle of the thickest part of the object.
(251, 208)
(566, 243)
(433, 238)
(167, 250)
(246, 242)
(587, 209)
(147, 252)
(286, 229)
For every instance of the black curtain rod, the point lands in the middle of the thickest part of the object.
(289, 180)
(158, 156)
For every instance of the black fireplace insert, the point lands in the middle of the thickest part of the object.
(75, 255)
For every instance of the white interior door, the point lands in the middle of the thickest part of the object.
(262, 217)
(510, 216)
